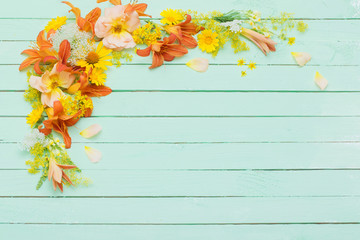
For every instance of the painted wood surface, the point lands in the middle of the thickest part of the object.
(199, 156)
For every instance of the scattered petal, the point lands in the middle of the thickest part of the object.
(198, 64)
(91, 131)
(301, 57)
(320, 81)
(93, 154)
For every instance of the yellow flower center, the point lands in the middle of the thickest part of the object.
(117, 28)
(54, 82)
(208, 40)
(92, 58)
(171, 19)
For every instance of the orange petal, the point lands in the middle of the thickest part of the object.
(158, 60)
(144, 52)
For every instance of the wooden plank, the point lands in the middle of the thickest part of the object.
(316, 9)
(189, 232)
(123, 183)
(324, 52)
(217, 78)
(318, 29)
(180, 210)
(189, 129)
(205, 156)
(209, 104)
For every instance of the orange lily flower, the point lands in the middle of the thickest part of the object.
(57, 174)
(88, 23)
(184, 31)
(265, 44)
(39, 53)
(163, 50)
(59, 121)
(90, 90)
(140, 8)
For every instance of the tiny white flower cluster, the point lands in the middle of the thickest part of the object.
(32, 138)
(79, 41)
(235, 25)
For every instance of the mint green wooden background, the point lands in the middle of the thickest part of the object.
(199, 156)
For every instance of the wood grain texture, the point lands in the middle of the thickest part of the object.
(190, 232)
(180, 210)
(199, 156)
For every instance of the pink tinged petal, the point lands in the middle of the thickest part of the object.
(55, 171)
(119, 41)
(66, 79)
(134, 22)
(115, 12)
(102, 27)
(93, 154)
(91, 131)
(320, 81)
(37, 83)
(301, 57)
(198, 64)
(48, 99)
(53, 70)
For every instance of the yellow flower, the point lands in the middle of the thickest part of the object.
(97, 77)
(291, 41)
(55, 23)
(243, 73)
(171, 16)
(97, 59)
(34, 116)
(252, 66)
(208, 41)
(241, 62)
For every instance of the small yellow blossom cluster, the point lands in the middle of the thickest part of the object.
(75, 103)
(251, 65)
(147, 34)
(118, 56)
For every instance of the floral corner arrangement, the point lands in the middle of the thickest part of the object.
(67, 66)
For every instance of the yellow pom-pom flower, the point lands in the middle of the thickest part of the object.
(171, 16)
(55, 23)
(34, 116)
(97, 77)
(208, 41)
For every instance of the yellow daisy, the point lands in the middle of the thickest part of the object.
(97, 77)
(241, 62)
(291, 41)
(55, 23)
(208, 41)
(34, 116)
(243, 73)
(171, 16)
(96, 59)
(252, 66)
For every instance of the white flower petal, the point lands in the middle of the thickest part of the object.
(91, 131)
(93, 154)
(198, 64)
(320, 81)
(301, 57)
